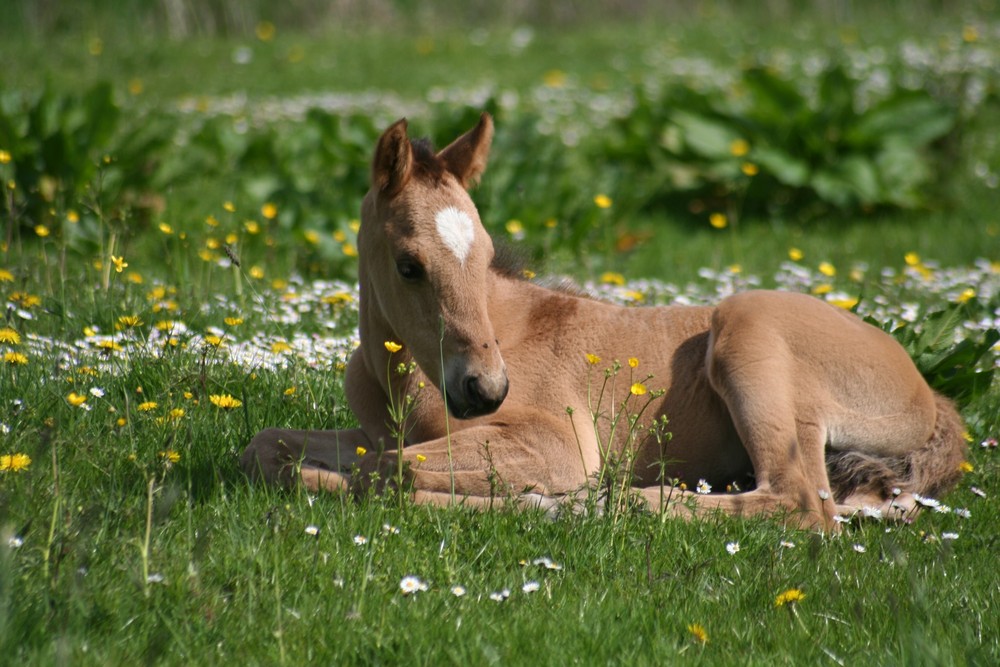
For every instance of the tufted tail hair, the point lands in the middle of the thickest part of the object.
(931, 470)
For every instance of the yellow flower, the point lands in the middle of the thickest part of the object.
(225, 401)
(911, 259)
(135, 86)
(280, 346)
(827, 269)
(602, 201)
(794, 254)
(269, 211)
(15, 358)
(311, 236)
(349, 250)
(749, 169)
(822, 289)
(165, 228)
(146, 406)
(593, 359)
(967, 295)
(213, 340)
(233, 321)
(638, 389)
(42, 231)
(392, 347)
(72, 216)
(791, 596)
(14, 462)
(229, 206)
(129, 321)
(970, 34)
(119, 263)
(177, 413)
(75, 399)
(528, 274)
(514, 227)
(6, 276)
(846, 304)
(633, 362)
(121, 421)
(265, 31)
(10, 336)
(361, 451)
(718, 220)
(739, 147)
(965, 466)
(554, 78)
(421, 458)
(108, 346)
(4, 157)
(698, 632)
(290, 391)
(170, 456)
(252, 227)
(612, 278)
(256, 272)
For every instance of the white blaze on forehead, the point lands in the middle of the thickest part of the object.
(456, 231)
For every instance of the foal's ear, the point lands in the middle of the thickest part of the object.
(393, 159)
(466, 157)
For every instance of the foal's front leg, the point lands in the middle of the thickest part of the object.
(275, 455)
(529, 457)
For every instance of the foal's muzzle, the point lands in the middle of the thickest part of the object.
(475, 398)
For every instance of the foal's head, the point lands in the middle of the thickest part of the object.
(426, 259)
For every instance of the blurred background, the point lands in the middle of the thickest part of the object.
(649, 138)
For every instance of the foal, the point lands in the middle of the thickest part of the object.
(814, 411)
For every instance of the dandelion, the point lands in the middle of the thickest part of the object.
(703, 487)
(733, 548)
(789, 597)
(75, 399)
(9, 336)
(360, 540)
(129, 321)
(911, 259)
(42, 231)
(5, 157)
(361, 451)
(515, 228)
(170, 456)
(602, 201)
(233, 321)
(966, 467)
(718, 220)
(530, 586)
(392, 347)
(637, 389)
(15, 358)
(225, 401)
(6, 276)
(119, 263)
(739, 147)
(269, 211)
(698, 633)
(458, 591)
(749, 169)
(312, 530)
(827, 269)
(265, 31)
(421, 458)
(967, 295)
(147, 406)
(633, 362)
(612, 278)
(14, 462)
(280, 347)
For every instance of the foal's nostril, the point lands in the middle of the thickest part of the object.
(471, 388)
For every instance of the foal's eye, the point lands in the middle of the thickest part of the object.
(410, 270)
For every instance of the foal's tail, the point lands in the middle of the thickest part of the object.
(930, 470)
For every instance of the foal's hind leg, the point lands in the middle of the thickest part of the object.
(754, 374)
(275, 454)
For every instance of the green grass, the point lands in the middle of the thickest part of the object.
(228, 572)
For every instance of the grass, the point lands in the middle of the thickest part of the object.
(132, 536)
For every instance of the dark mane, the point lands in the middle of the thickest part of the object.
(426, 163)
(509, 260)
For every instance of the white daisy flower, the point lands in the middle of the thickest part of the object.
(977, 491)
(962, 512)
(732, 548)
(312, 530)
(458, 591)
(949, 536)
(500, 596)
(703, 487)
(391, 530)
(824, 494)
(530, 586)
(410, 584)
(872, 512)
(360, 540)
(925, 501)
(785, 544)
(860, 548)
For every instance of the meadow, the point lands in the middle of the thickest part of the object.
(178, 268)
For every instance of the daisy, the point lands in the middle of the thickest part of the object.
(703, 487)
(732, 548)
(360, 540)
(410, 584)
(530, 586)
